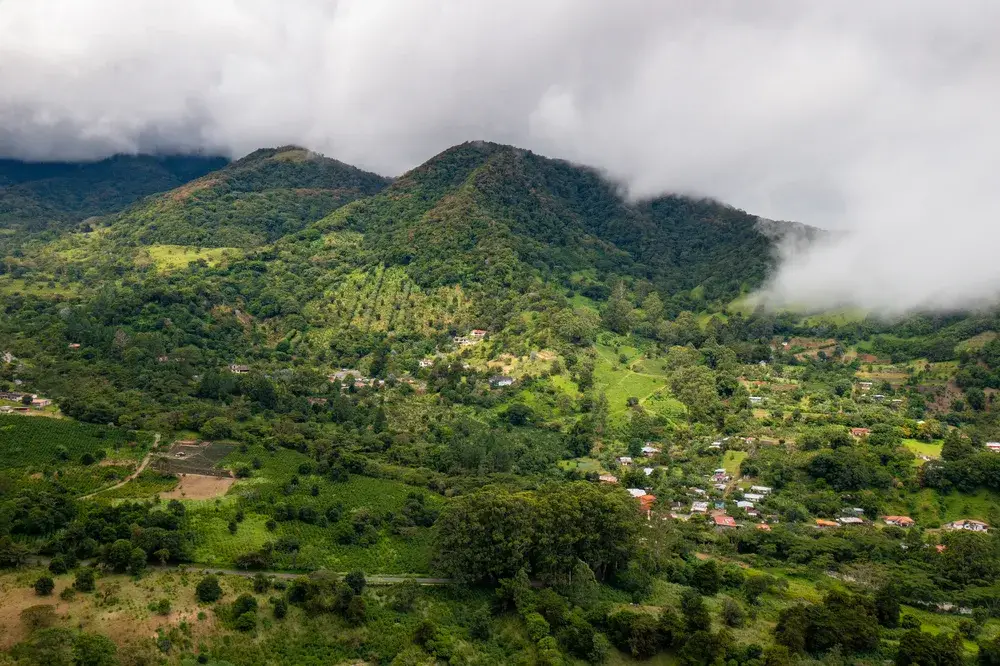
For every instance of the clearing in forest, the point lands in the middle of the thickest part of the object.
(199, 487)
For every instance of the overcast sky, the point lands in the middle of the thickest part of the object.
(880, 118)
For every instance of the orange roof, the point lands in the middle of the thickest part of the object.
(826, 523)
(725, 521)
(646, 501)
(764, 527)
(898, 519)
(941, 547)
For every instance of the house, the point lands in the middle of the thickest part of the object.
(719, 506)
(860, 432)
(756, 400)
(477, 333)
(500, 381)
(636, 492)
(850, 520)
(73, 345)
(879, 397)
(650, 450)
(715, 446)
(648, 471)
(721, 487)
(857, 511)
(698, 491)
(720, 472)
(316, 401)
(743, 504)
(699, 507)
(753, 497)
(426, 362)
(826, 523)
(763, 527)
(40, 403)
(763, 490)
(11, 395)
(238, 369)
(724, 521)
(162, 359)
(899, 521)
(607, 478)
(993, 446)
(864, 386)
(624, 460)
(941, 548)
(969, 525)
(465, 342)
(343, 374)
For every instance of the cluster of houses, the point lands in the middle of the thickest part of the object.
(475, 336)
(14, 396)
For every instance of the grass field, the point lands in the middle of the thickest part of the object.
(172, 257)
(731, 461)
(930, 449)
(932, 509)
(620, 382)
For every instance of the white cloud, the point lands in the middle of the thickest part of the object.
(879, 119)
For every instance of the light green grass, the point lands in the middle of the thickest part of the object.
(932, 509)
(731, 461)
(930, 449)
(173, 257)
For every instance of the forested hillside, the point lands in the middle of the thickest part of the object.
(35, 195)
(491, 412)
(253, 201)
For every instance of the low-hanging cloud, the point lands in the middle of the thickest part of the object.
(878, 120)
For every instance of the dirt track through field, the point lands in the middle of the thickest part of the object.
(130, 477)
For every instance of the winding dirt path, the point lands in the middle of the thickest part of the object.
(130, 477)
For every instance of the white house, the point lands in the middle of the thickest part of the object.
(993, 446)
(715, 445)
(426, 362)
(756, 400)
(624, 460)
(970, 525)
(850, 520)
(743, 504)
(501, 381)
(636, 492)
(647, 471)
(753, 497)
(699, 507)
(763, 490)
(650, 450)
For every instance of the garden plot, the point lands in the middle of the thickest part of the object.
(200, 458)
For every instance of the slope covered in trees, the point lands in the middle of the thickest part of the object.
(252, 201)
(497, 215)
(34, 195)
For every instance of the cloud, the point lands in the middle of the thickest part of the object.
(876, 120)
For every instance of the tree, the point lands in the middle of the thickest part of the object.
(918, 648)
(732, 613)
(707, 578)
(44, 586)
(94, 650)
(696, 617)
(84, 581)
(356, 581)
(618, 311)
(208, 589)
(119, 554)
(280, 608)
(635, 633)
(887, 606)
(137, 561)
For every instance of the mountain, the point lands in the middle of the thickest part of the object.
(487, 213)
(252, 201)
(36, 195)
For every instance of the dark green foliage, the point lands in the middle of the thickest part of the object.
(849, 621)
(918, 648)
(44, 586)
(356, 581)
(696, 616)
(887, 606)
(208, 589)
(280, 608)
(84, 580)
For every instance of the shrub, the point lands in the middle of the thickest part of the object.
(84, 581)
(280, 608)
(44, 586)
(246, 622)
(208, 589)
(245, 603)
(356, 581)
(58, 565)
(38, 617)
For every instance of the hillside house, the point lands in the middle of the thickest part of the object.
(822, 523)
(699, 507)
(993, 446)
(753, 497)
(715, 446)
(464, 342)
(426, 362)
(650, 450)
(40, 403)
(850, 520)
(636, 492)
(73, 345)
(316, 401)
(763, 490)
(864, 386)
(238, 369)
(721, 487)
(725, 521)
(624, 460)
(860, 432)
(477, 333)
(743, 504)
(500, 381)
(756, 400)
(607, 478)
(763, 527)
(899, 521)
(11, 395)
(968, 525)
(648, 471)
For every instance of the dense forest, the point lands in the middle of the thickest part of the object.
(282, 410)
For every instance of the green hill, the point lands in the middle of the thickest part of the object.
(34, 195)
(252, 201)
(491, 214)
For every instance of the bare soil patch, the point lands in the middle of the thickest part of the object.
(194, 458)
(199, 487)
